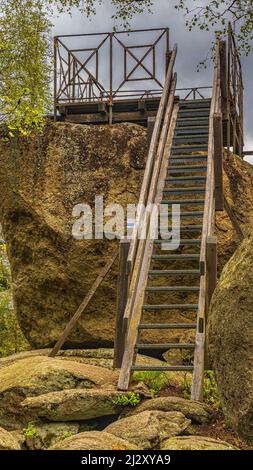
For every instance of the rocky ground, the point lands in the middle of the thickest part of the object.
(71, 402)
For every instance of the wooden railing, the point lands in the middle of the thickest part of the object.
(208, 251)
(140, 250)
(194, 93)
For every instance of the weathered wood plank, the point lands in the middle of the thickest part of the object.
(150, 161)
(218, 161)
(223, 78)
(233, 219)
(122, 292)
(211, 268)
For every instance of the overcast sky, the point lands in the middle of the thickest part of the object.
(193, 46)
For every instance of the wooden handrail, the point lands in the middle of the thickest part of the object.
(145, 247)
(150, 162)
(208, 223)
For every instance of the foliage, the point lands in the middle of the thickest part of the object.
(210, 389)
(30, 430)
(211, 394)
(25, 56)
(11, 337)
(5, 275)
(130, 399)
(67, 434)
(156, 381)
(217, 14)
(24, 64)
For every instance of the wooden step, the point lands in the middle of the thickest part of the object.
(186, 149)
(183, 202)
(188, 159)
(198, 103)
(184, 190)
(184, 215)
(187, 169)
(196, 112)
(187, 241)
(174, 272)
(162, 368)
(167, 326)
(192, 121)
(149, 308)
(164, 346)
(185, 257)
(186, 130)
(185, 179)
(173, 289)
(190, 139)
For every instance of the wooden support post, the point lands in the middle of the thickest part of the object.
(233, 219)
(122, 293)
(199, 361)
(151, 124)
(72, 323)
(218, 162)
(211, 269)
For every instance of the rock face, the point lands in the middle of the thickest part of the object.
(197, 412)
(41, 179)
(7, 441)
(149, 428)
(195, 443)
(94, 441)
(230, 338)
(37, 376)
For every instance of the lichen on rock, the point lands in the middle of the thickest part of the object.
(230, 339)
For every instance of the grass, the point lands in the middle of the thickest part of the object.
(155, 381)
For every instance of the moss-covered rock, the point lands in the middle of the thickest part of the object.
(195, 443)
(41, 179)
(73, 405)
(7, 441)
(230, 339)
(149, 428)
(94, 441)
(40, 375)
(198, 413)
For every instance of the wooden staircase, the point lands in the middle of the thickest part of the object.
(170, 290)
(176, 273)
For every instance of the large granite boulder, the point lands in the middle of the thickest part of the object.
(94, 440)
(73, 405)
(230, 339)
(198, 413)
(149, 428)
(41, 179)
